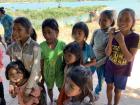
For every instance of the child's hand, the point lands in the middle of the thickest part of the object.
(111, 32)
(119, 37)
(12, 91)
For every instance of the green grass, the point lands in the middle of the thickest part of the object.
(37, 16)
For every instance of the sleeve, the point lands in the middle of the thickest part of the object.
(9, 51)
(1, 57)
(35, 72)
(91, 52)
(92, 39)
(42, 54)
(134, 42)
(10, 20)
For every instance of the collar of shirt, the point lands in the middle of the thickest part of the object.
(2, 17)
(26, 43)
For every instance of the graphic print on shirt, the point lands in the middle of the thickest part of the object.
(117, 57)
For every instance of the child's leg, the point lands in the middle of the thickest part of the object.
(109, 93)
(2, 100)
(120, 84)
(109, 78)
(100, 74)
(50, 93)
(117, 96)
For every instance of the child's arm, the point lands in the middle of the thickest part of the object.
(92, 58)
(12, 90)
(128, 54)
(108, 49)
(101, 61)
(91, 63)
(35, 72)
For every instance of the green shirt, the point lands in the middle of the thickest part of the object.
(53, 59)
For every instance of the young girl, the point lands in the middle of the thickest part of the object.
(2, 100)
(121, 49)
(18, 76)
(78, 86)
(72, 57)
(26, 50)
(80, 33)
(52, 56)
(99, 42)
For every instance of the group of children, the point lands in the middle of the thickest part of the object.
(111, 53)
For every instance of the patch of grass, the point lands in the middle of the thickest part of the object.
(37, 16)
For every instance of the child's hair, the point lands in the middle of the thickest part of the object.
(2, 10)
(51, 23)
(25, 22)
(75, 49)
(83, 79)
(82, 26)
(110, 15)
(33, 34)
(132, 13)
(19, 66)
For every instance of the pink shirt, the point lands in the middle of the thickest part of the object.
(1, 64)
(35, 95)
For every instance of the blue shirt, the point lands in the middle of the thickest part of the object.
(88, 53)
(7, 22)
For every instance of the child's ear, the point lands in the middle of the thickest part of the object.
(29, 31)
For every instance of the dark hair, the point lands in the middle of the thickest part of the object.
(132, 13)
(2, 10)
(17, 65)
(33, 34)
(110, 15)
(75, 49)
(82, 26)
(82, 77)
(51, 23)
(25, 22)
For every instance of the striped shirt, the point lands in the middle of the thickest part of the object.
(30, 55)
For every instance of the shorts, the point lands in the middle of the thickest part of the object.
(119, 81)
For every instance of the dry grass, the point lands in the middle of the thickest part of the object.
(65, 32)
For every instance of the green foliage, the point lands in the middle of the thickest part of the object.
(37, 16)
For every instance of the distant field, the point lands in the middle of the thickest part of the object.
(37, 16)
(42, 0)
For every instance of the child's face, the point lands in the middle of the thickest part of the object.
(50, 35)
(69, 58)
(15, 76)
(104, 21)
(19, 32)
(79, 35)
(71, 89)
(125, 22)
